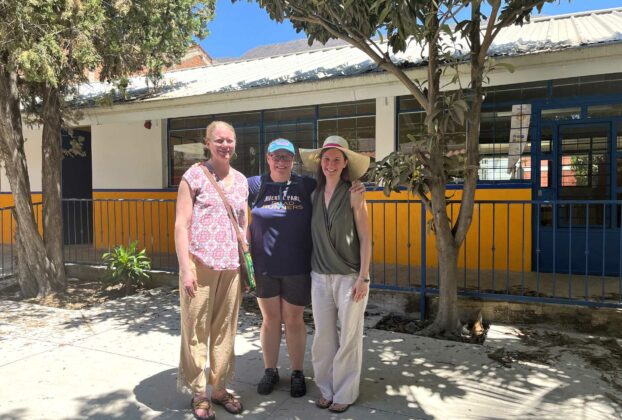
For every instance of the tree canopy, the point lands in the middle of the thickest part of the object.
(56, 42)
(48, 48)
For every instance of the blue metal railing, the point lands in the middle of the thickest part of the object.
(563, 252)
(515, 250)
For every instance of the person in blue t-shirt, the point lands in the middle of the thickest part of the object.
(280, 238)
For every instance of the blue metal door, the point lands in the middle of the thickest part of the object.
(576, 225)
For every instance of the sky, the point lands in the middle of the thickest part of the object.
(242, 26)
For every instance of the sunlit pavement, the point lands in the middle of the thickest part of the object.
(118, 361)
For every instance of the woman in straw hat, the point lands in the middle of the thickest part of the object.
(340, 271)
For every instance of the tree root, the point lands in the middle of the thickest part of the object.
(435, 330)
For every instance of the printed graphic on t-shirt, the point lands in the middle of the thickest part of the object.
(284, 202)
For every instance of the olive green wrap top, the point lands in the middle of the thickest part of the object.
(336, 247)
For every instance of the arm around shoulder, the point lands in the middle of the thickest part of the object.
(363, 229)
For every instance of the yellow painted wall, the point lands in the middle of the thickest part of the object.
(397, 224)
(116, 222)
(121, 222)
(7, 224)
(120, 217)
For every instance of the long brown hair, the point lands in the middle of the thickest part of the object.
(321, 178)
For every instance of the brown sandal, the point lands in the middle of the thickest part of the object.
(338, 408)
(229, 402)
(323, 403)
(202, 403)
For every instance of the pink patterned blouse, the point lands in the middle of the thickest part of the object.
(212, 239)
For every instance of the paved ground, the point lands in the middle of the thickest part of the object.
(119, 361)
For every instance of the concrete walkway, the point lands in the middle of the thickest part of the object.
(118, 361)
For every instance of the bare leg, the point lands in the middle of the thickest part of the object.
(270, 333)
(295, 333)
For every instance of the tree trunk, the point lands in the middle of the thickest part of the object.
(51, 187)
(12, 151)
(446, 321)
(27, 282)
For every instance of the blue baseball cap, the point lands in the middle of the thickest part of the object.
(281, 144)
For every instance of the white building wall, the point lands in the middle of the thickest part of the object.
(32, 148)
(385, 126)
(128, 156)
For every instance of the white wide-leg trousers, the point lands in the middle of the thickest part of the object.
(337, 356)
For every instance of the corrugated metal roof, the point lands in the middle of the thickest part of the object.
(540, 35)
(296, 46)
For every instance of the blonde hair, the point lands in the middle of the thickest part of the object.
(209, 133)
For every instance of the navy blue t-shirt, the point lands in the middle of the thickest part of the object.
(281, 225)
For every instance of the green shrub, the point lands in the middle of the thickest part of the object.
(127, 267)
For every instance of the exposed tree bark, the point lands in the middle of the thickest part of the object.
(27, 282)
(51, 186)
(14, 158)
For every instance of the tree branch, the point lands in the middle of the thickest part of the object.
(488, 35)
(380, 60)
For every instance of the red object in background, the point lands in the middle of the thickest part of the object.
(147, 124)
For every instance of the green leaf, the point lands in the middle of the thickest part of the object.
(506, 66)
(126, 265)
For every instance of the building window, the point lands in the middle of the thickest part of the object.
(496, 164)
(494, 148)
(516, 93)
(560, 114)
(604, 111)
(186, 140)
(305, 127)
(411, 127)
(354, 121)
(602, 84)
(185, 149)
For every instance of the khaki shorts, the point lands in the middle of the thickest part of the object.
(296, 290)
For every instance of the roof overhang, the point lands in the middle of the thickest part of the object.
(543, 65)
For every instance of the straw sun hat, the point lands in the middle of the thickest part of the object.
(358, 164)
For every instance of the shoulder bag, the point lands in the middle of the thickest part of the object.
(247, 272)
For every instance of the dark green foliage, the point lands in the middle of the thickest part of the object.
(398, 170)
(125, 266)
(54, 41)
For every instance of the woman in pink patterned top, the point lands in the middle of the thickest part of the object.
(209, 280)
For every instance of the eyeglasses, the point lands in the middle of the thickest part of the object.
(282, 158)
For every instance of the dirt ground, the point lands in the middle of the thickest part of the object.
(80, 294)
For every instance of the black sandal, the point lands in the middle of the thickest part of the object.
(202, 403)
(229, 403)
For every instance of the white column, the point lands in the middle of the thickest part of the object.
(385, 126)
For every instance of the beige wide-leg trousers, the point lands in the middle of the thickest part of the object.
(208, 325)
(337, 355)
